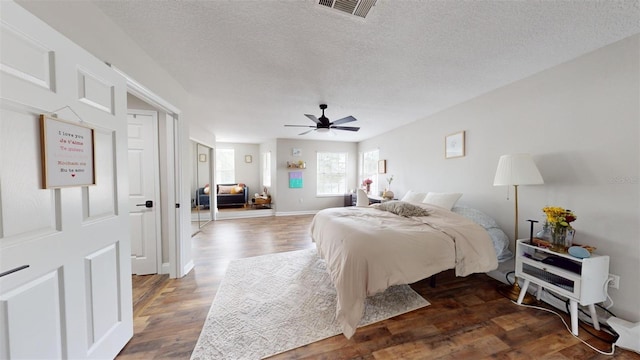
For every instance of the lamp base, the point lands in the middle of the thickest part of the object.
(512, 292)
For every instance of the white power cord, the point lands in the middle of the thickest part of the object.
(606, 291)
(613, 346)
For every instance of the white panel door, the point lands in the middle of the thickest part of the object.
(71, 297)
(143, 187)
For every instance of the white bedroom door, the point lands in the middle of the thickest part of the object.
(71, 297)
(144, 210)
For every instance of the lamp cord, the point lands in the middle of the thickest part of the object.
(613, 346)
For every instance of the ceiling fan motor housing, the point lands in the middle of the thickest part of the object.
(324, 121)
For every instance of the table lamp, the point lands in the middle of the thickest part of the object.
(516, 170)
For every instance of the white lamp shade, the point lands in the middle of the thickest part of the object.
(517, 169)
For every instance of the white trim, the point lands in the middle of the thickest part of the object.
(176, 246)
(188, 267)
(225, 215)
(171, 185)
(165, 268)
(294, 213)
(145, 94)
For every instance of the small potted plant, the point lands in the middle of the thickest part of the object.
(388, 194)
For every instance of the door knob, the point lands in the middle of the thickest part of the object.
(148, 204)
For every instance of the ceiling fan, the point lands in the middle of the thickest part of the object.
(323, 124)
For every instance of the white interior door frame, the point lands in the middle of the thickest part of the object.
(171, 186)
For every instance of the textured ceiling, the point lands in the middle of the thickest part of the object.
(264, 64)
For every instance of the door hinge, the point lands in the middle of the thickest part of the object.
(177, 206)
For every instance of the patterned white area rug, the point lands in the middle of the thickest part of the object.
(273, 303)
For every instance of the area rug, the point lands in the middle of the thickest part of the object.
(273, 303)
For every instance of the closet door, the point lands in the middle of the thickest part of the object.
(70, 296)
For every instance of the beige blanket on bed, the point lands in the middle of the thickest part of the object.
(367, 250)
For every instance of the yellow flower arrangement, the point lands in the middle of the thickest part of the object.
(557, 216)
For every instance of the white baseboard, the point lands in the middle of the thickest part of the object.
(222, 215)
(164, 268)
(294, 213)
(187, 268)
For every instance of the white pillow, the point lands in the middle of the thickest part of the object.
(412, 196)
(362, 199)
(444, 200)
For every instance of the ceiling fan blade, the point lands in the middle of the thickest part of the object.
(348, 128)
(308, 131)
(313, 118)
(305, 126)
(344, 120)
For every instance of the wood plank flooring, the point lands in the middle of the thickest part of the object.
(467, 318)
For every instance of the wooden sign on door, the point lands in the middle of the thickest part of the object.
(67, 153)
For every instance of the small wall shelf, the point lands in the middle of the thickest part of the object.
(296, 164)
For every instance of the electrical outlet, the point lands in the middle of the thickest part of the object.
(614, 281)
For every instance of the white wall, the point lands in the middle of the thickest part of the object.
(305, 199)
(579, 120)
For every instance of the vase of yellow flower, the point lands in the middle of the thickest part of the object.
(558, 238)
(559, 219)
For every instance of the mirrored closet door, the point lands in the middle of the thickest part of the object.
(201, 187)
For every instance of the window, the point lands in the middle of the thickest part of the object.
(266, 169)
(370, 169)
(225, 166)
(332, 173)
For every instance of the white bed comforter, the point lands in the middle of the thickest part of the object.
(367, 250)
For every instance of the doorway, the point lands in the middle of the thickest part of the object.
(144, 191)
(152, 231)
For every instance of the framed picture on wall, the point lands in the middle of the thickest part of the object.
(295, 179)
(454, 145)
(296, 152)
(382, 166)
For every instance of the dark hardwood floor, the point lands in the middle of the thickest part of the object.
(467, 318)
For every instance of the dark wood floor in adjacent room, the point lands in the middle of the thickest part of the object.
(467, 318)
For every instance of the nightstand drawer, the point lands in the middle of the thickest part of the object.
(562, 281)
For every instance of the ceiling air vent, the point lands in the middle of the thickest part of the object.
(354, 7)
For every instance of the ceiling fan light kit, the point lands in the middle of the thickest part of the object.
(323, 125)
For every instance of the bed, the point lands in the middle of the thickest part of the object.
(367, 250)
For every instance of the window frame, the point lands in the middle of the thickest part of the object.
(220, 170)
(266, 169)
(341, 188)
(372, 172)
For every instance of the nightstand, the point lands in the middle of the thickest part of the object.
(373, 199)
(580, 280)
